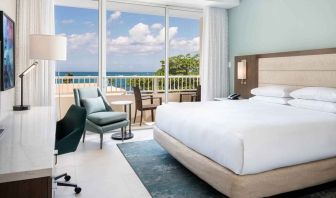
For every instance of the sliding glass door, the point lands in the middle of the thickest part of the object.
(184, 57)
(135, 48)
(80, 25)
(120, 45)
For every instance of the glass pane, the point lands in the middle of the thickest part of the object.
(184, 59)
(135, 51)
(80, 26)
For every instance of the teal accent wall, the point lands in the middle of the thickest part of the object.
(265, 26)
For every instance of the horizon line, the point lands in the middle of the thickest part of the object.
(107, 71)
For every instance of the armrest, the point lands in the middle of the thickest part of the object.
(188, 94)
(69, 143)
(152, 98)
(157, 97)
(147, 96)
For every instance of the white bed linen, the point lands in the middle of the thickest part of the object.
(251, 137)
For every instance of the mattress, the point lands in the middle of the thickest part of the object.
(251, 137)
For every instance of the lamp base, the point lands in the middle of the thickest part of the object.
(21, 107)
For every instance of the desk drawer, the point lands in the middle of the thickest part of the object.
(31, 188)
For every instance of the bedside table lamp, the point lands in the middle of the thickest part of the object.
(241, 70)
(42, 47)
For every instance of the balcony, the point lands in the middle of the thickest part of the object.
(120, 88)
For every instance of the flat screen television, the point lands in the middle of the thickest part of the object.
(7, 49)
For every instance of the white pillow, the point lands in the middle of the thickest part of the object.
(276, 100)
(272, 91)
(315, 93)
(314, 105)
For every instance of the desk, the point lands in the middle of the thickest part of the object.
(27, 152)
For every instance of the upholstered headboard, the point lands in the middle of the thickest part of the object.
(298, 71)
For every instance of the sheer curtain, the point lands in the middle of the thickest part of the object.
(34, 17)
(214, 54)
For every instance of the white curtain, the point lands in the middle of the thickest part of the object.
(34, 17)
(214, 54)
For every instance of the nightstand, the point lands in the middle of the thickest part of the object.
(220, 99)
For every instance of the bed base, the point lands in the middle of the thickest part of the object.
(257, 185)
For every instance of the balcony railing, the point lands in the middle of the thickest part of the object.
(123, 84)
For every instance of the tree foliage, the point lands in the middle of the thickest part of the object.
(183, 64)
(180, 65)
(68, 79)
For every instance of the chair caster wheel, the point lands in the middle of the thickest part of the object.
(67, 178)
(78, 190)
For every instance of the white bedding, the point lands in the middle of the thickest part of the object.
(251, 137)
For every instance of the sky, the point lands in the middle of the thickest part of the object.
(135, 42)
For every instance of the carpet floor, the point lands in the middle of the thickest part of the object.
(165, 177)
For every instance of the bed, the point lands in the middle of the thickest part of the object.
(251, 137)
(253, 149)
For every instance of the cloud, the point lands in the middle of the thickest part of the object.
(172, 33)
(114, 16)
(156, 26)
(140, 40)
(67, 21)
(84, 42)
(192, 45)
(140, 33)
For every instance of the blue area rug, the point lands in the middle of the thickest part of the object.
(165, 177)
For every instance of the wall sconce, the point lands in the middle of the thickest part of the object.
(241, 71)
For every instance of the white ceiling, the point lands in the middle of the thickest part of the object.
(192, 3)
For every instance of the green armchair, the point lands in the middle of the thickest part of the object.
(69, 131)
(103, 121)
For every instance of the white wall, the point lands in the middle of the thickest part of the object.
(7, 97)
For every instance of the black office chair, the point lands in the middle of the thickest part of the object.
(69, 131)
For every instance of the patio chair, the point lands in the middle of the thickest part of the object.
(144, 107)
(197, 96)
(194, 96)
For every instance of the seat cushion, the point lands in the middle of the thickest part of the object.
(107, 117)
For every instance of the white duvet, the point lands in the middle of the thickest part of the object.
(251, 137)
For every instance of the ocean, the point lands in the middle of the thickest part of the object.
(108, 73)
(121, 83)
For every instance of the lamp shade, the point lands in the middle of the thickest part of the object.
(241, 70)
(48, 47)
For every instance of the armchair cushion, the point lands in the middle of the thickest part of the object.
(88, 92)
(93, 105)
(108, 117)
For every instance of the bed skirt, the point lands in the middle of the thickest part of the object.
(257, 185)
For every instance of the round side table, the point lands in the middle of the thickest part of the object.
(129, 135)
